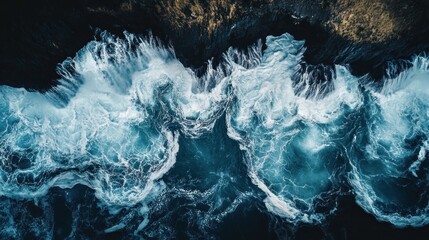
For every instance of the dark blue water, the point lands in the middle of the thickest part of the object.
(132, 145)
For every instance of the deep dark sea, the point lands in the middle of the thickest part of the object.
(133, 145)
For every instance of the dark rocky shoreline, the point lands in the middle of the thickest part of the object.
(36, 36)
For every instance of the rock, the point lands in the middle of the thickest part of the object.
(37, 35)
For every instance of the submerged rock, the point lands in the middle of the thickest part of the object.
(364, 33)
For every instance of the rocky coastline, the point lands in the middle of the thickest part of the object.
(36, 36)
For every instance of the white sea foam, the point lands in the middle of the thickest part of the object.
(105, 124)
(109, 125)
(390, 176)
(288, 137)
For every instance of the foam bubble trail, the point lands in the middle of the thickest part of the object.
(389, 155)
(290, 133)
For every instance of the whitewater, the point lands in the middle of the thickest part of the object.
(124, 109)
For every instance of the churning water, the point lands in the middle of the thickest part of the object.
(129, 121)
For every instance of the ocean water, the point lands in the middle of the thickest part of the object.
(131, 144)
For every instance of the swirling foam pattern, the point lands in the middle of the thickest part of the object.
(389, 155)
(290, 140)
(104, 125)
(113, 124)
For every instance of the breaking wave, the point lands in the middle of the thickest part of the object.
(292, 141)
(389, 153)
(307, 133)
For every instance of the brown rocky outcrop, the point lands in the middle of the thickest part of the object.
(36, 35)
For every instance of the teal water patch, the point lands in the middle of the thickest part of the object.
(148, 136)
